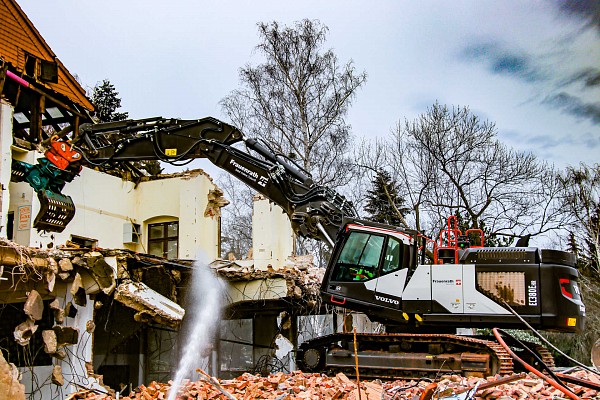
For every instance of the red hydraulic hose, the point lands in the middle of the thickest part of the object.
(531, 369)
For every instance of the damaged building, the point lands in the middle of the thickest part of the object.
(109, 319)
(100, 305)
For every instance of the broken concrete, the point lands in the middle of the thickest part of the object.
(34, 306)
(70, 310)
(102, 272)
(59, 313)
(149, 304)
(65, 265)
(76, 285)
(66, 335)
(24, 331)
(302, 280)
(57, 376)
(216, 200)
(50, 341)
(10, 387)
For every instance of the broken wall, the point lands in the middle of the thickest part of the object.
(50, 317)
(65, 318)
(272, 235)
(106, 203)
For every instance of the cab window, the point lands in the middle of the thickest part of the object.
(359, 258)
(394, 255)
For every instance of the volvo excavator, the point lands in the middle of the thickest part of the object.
(376, 269)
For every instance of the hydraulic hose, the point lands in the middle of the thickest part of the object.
(532, 369)
(543, 339)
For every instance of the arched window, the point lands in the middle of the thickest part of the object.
(163, 239)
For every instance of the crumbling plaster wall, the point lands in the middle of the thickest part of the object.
(77, 357)
(75, 285)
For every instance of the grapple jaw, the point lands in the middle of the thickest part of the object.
(56, 211)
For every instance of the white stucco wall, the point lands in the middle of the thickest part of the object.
(105, 203)
(272, 235)
(185, 197)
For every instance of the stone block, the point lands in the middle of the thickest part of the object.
(66, 335)
(65, 265)
(50, 343)
(24, 331)
(57, 376)
(34, 306)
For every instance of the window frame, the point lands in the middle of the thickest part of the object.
(356, 273)
(165, 239)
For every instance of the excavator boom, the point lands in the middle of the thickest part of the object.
(315, 211)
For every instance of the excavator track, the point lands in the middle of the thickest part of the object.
(395, 356)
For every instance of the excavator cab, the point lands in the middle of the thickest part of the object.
(370, 266)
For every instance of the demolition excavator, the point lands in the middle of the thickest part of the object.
(376, 269)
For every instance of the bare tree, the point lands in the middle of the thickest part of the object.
(296, 100)
(581, 200)
(450, 162)
(236, 220)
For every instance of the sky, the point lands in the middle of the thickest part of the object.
(532, 67)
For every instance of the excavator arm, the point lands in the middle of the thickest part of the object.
(315, 211)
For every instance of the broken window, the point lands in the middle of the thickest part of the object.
(236, 352)
(31, 65)
(163, 239)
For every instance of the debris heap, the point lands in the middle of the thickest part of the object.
(299, 385)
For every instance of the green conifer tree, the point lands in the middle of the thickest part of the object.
(384, 204)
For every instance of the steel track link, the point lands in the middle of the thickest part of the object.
(500, 360)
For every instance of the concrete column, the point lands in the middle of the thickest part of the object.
(272, 235)
(6, 114)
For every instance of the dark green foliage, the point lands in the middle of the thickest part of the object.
(106, 101)
(490, 239)
(384, 204)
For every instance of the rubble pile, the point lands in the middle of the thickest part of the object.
(298, 385)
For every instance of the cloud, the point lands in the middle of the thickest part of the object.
(549, 142)
(589, 77)
(504, 61)
(558, 87)
(588, 11)
(574, 106)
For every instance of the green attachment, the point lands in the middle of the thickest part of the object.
(56, 209)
